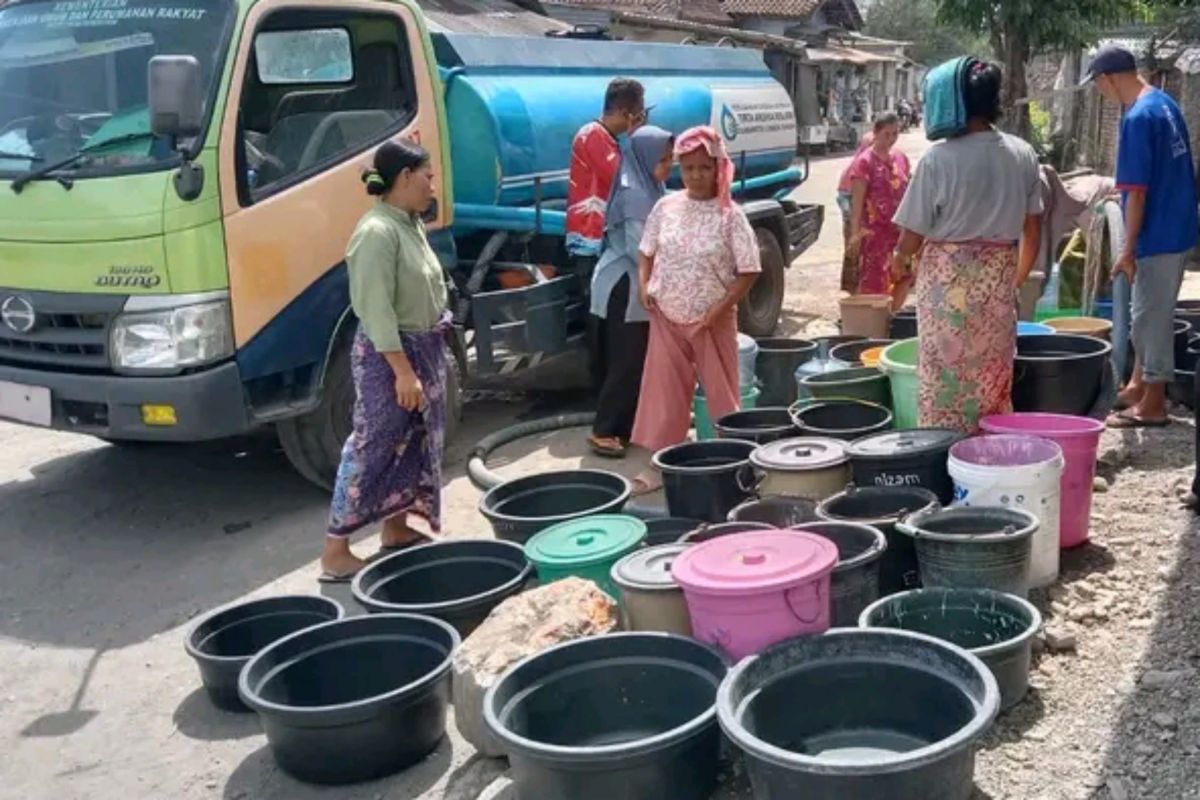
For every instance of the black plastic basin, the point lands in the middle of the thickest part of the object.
(457, 582)
(759, 425)
(668, 530)
(356, 699)
(882, 508)
(225, 640)
(706, 480)
(1184, 327)
(706, 533)
(777, 511)
(1183, 389)
(627, 716)
(841, 419)
(1059, 373)
(855, 582)
(996, 627)
(859, 715)
(519, 508)
(777, 362)
(851, 352)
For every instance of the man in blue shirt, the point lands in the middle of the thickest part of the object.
(1157, 179)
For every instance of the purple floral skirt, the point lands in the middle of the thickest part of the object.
(392, 461)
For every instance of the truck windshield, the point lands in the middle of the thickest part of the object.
(73, 77)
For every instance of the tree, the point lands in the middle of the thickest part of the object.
(1019, 29)
(916, 21)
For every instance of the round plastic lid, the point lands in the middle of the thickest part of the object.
(897, 444)
(755, 562)
(586, 541)
(801, 454)
(648, 569)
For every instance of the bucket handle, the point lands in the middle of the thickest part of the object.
(787, 598)
(902, 526)
(752, 484)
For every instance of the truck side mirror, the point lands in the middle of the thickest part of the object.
(176, 97)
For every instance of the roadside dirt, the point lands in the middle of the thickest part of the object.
(111, 551)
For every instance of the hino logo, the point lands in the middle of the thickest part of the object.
(17, 314)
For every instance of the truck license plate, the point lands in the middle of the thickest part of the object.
(29, 404)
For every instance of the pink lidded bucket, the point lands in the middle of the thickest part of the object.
(748, 591)
(1079, 438)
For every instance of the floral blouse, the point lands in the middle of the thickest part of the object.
(699, 250)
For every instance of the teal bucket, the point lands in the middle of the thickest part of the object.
(704, 423)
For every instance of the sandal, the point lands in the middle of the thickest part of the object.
(1126, 420)
(605, 450)
(328, 577)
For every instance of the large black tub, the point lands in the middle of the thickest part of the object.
(760, 425)
(706, 480)
(917, 457)
(904, 324)
(860, 715)
(882, 508)
(851, 352)
(855, 582)
(778, 360)
(706, 533)
(778, 511)
(225, 640)
(457, 582)
(1059, 373)
(356, 699)
(840, 419)
(668, 530)
(519, 508)
(628, 716)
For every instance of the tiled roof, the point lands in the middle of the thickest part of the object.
(784, 9)
(706, 11)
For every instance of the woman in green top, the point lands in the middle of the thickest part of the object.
(392, 463)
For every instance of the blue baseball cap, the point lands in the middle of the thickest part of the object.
(1109, 60)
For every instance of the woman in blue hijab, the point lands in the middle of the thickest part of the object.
(623, 324)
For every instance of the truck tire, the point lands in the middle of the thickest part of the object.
(313, 442)
(758, 314)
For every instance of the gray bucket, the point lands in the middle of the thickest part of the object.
(975, 547)
(996, 627)
(855, 583)
(856, 383)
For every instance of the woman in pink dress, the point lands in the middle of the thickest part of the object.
(698, 259)
(878, 179)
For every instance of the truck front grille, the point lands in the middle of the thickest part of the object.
(70, 331)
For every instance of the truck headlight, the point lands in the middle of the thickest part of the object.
(173, 339)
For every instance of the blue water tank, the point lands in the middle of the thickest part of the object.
(514, 104)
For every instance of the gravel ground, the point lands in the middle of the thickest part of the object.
(111, 552)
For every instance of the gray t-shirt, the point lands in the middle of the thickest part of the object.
(978, 186)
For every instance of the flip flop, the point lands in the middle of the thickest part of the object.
(328, 577)
(605, 451)
(1123, 420)
(392, 549)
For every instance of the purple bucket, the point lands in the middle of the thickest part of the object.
(1079, 438)
(748, 591)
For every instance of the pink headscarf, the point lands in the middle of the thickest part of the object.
(692, 140)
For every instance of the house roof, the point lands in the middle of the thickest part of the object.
(491, 17)
(840, 12)
(705, 11)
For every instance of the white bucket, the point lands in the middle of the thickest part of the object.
(1023, 472)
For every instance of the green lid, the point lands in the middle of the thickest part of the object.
(585, 541)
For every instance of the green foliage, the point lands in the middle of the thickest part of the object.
(1037, 24)
(1039, 119)
(917, 21)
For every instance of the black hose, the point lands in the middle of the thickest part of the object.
(484, 478)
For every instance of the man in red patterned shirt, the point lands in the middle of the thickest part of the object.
(595, 157)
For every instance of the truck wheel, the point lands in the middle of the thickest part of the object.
(758, 314)
(313, 442)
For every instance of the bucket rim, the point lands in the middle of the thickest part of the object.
(1028, 525)
(874, 552)
(974, 596)
(984, 713)
(1104, 352)
(1087, 427)
(191, 642)
(670, 469)
(931, 503)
